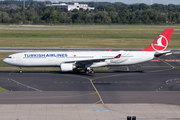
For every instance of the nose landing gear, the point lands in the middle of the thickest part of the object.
(20, 70)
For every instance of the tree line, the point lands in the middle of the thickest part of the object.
(104, 13)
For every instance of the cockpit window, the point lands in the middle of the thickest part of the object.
(9, 57)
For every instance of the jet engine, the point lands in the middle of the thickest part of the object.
(67, 67)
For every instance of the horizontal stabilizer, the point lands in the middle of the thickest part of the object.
(160, 53)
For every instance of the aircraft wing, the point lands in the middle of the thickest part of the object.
(88, 60)
(93, 60)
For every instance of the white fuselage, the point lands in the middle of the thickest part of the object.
(54, 59)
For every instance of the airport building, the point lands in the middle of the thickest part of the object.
(71, 6)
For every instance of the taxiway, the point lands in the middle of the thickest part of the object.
(143, 83)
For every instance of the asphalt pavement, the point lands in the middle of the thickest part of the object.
(142, 83)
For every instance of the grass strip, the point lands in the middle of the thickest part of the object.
(83, 39)
(2, 89)
(95, 26)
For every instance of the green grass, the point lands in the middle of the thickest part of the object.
(2, 89)
(176, 26)
(82, 39)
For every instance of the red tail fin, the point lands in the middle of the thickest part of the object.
(161, 42)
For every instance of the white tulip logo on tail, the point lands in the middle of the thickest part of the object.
(160, 44)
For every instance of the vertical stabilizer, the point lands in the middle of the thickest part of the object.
(161, 42)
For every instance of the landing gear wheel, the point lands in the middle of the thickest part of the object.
(20, 70)
(92, 71)
(89, 71)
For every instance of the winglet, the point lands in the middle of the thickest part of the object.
(118, 56)
(161, 42)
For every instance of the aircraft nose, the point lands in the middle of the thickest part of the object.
(5, 60)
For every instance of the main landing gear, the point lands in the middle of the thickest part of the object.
(89, 71)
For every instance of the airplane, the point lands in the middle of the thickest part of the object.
(70, 61)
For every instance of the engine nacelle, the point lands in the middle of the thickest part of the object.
(67, 67)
